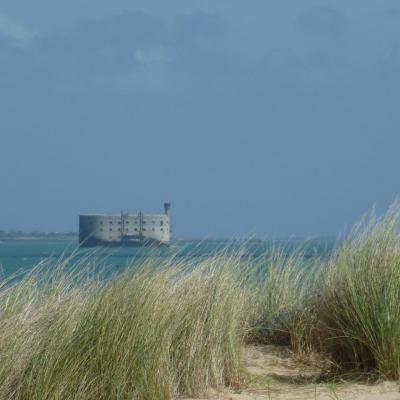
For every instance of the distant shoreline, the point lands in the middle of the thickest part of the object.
(39, 238)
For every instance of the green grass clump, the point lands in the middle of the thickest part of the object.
(150, 333)
(346, 308)
(281, 293)
(358, 305)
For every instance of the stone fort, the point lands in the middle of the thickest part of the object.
(125, 229)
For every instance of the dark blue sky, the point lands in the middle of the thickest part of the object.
(269, 118)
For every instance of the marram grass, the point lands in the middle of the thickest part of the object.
(150, 333)
(285, 285)
(358, 303)
(347, 308)
(167, 328)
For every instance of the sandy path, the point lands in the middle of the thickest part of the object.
(275, 375)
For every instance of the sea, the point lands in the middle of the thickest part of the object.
(21, 256)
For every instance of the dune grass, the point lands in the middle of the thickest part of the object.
(358, 305)
(163, 328)
(280, 305)
(347, 308)
(150, 333)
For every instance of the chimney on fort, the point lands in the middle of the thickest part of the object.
(167, 208)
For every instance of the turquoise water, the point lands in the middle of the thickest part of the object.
(24, 255)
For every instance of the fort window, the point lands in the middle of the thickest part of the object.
(127, 222)
(110, 229)
(101, 229)
(135, 229)
(144, 229)
(162, 229)
(153, 229)
(111, 222)
(161, 223)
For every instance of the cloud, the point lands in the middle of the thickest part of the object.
(15, 31)
(197, 25)
(152, 58)
(288, 69)
(131, 52)
(106, 46)
(393, 12)
(122, 43)
(322, 20)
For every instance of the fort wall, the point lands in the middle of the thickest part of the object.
(129, 228)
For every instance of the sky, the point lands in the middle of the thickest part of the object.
(273, 119)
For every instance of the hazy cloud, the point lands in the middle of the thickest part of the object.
(322, 20)
(139, 46)
(15, 30)
(198, 25)
(393, 12)
(153, 57)
(105, 46)
(132, 31)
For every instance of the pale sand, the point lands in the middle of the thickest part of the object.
(274, 374)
